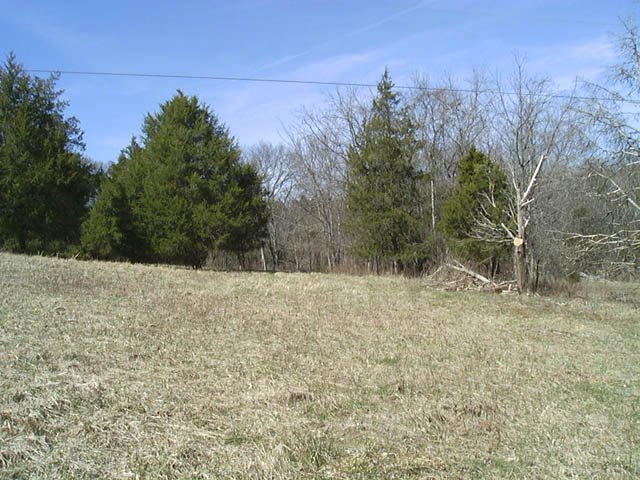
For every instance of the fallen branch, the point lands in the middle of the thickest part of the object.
(461, 268)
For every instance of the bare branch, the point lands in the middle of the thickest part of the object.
(534, 177)
(619, 190)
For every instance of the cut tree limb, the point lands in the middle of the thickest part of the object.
(461, 268)
(532, 181)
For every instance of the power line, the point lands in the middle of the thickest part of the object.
(315, 82)
(210, 77)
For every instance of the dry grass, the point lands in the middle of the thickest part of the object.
(124, 371)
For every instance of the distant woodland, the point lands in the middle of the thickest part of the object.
(504, 176)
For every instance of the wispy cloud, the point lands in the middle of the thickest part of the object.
(261, 111)
(337, 67)
(569, 62)
(53, 33)
(600, 49)
(340, 38)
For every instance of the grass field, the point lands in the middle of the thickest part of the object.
(129, 371)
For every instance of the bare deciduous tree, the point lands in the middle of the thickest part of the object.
(532, 130)
(320, 145)
(273, 162)
(449, 122)
(614, 117)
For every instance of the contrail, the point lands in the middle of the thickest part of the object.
(354, 33)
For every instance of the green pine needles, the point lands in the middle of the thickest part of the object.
(45, 183)
(385, 188)
(480, 196)
(180, 194)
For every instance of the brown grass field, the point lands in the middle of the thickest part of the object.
(127, 371)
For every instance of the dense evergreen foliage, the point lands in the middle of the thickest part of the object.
(45, 183)
(385, 190)
(180, 194)
(481, 194)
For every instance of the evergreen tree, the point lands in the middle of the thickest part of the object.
(111, 231)
(481, 191)
(385, 189)
(179, 195)
(45, 183)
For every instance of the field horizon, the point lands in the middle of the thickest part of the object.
(116, 370)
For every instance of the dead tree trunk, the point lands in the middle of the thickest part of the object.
(523, 202)
(520, 267)
(516, 230)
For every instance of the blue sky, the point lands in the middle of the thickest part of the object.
(321, 40)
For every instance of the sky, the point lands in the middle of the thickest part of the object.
(316, 40)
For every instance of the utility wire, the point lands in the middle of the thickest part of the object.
(315, 82)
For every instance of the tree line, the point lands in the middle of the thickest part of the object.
(505, 175)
